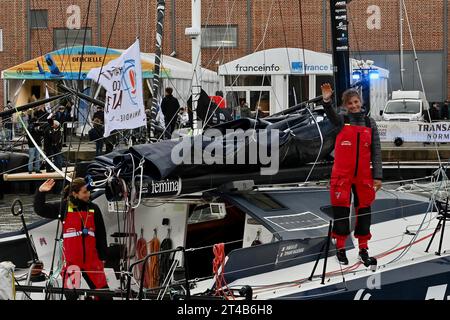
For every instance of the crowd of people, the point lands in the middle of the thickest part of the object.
(50, 128)
(50, 131)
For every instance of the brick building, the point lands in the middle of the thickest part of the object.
(30, 28)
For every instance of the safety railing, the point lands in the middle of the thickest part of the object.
(144, 261)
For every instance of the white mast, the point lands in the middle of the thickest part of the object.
(195, 33)
(402, 64)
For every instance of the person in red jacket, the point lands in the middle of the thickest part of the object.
(219, 100)
(84, 234)
(357, 169)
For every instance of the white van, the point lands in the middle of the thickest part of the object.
(405, 106)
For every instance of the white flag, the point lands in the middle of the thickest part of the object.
(47, 107)
(122, 80)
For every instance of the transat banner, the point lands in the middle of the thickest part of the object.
(122, 80)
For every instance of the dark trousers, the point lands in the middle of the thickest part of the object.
(55, 157)
(341, 225)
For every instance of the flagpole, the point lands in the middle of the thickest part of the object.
(161, 9)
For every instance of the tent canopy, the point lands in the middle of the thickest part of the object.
(65, 63)
(284, 61)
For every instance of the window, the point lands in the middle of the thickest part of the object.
(402, 106)
(63, 38)
(1, 40)
(204, 213)
(39, 19)
(219, 36)
(263, 201)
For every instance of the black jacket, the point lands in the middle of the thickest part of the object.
(52, 139)
(444, 111)
(170, 107)
(36, 133)
(435, 114)
(53, 210)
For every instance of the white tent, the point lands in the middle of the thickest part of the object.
(282, 68)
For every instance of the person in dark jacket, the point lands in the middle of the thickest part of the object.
(357, 147)
(434, 113)
(445, 111)
(97, 134)
(170, 107)
(53, 144)
(34, 160)
(8, 123)
(60, 115)
(99, 114)
(85, 244)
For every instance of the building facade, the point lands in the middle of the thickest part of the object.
(235, 28)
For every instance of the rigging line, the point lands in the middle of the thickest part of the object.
(419, 71)
(62, 152)
(84, 39)
(194, 74)
(101, 68)
(321, 145)
(300, 11)
(316, 253)
(137, 19)
(432, 204)
(354, 33)
(147, 28)
(221, 47)
(400, 42)
(287, 53)
(430, 207)
(207, 23)
(41, 51)
(275, 233)
(59, 172)
(59, 233)
(181, 97)
(283, 285)
(38, 148)
(77, 99)
(300, 8)
(39, 41)
(414, 47)
(66, 38)
(256, 49)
